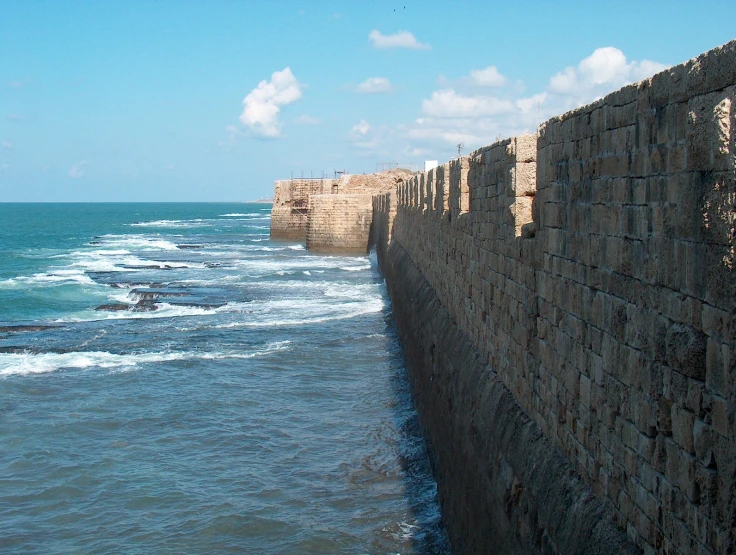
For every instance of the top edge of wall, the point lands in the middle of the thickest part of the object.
(708, 72)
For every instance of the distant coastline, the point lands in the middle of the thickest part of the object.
(260, 201)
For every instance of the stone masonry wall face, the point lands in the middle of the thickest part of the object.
(291, 203)
(339, 223)
(603, 294)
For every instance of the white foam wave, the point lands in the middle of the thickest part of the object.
(356, 268)
(28, 363)
(301, 311)
(131, 263)
(138, 242)
(99, 260)
(260, 267)
(246, 215)
(175, 223)
(52, 278)
(165, 310)
(100, 252)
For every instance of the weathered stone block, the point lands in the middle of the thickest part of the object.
(719, 415)
(682, 428)
(713, 70)
(686, 351)
(709, 137)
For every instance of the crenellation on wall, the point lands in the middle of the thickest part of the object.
(592, 269)
(459, 192)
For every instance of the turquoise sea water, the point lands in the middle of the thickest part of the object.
(233, 394)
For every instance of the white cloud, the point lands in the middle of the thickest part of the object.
(77, 170)
(7, 145)
(263, 104)
(451, 115)
(373, 85)
(364, 136)
(488, 77)
(447, 103)
(416, 152)
(15, 117)
(531, 103)
(169, 167)
(430, 131)
(604, 71)
(402, 39)
(360, 129)
(306, 119)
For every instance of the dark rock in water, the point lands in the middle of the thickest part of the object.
(213, 264)
(114, 307)
(198, 304)
(188, 246)
(13, 329)
(95, 242)
(14, 350)
(145, 305)
(147, 267)
(153, 294)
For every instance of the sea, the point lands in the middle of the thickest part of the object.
(172, 380)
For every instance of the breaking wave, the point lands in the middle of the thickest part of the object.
(42, 363)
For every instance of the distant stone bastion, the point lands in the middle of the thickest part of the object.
(330, 215)
(566, 302)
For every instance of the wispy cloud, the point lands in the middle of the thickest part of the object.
(373, 85)
(402, 39)
(15, 117)
(20, 83)
(168, 167)
(488, 77)
(447, 103)
(263, 104)
(78, 170)
(233, 133)
(360, 129)
(7, 145)
(306, 119)
(363, 136)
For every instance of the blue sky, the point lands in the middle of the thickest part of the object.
(213, 101)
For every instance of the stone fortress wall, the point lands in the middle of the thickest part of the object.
(331, 215)
(566, 302)
(339, 223)
(291, 205)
